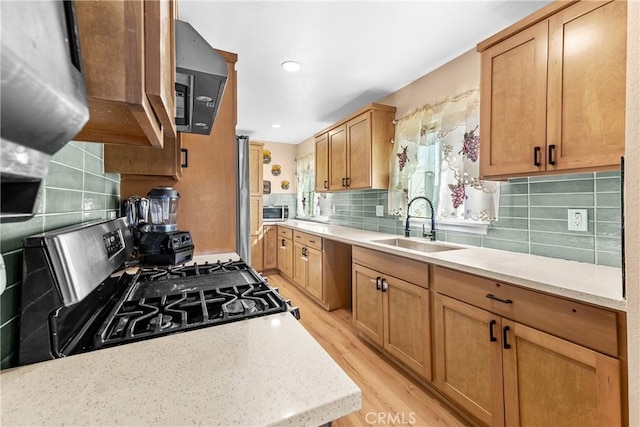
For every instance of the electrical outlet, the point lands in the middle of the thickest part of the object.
(333, 209)
(112, 215)
(379, 209)
(577, 219)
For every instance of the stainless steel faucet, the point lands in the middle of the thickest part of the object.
(432, 234)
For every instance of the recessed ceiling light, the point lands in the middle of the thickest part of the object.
(276, 126)
(291, 66)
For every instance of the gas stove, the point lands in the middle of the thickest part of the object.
(73, 303)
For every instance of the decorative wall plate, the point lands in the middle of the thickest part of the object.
(275, 170)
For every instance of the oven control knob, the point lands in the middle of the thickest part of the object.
(288, 301)
(295, 312)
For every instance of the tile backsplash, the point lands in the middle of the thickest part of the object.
(532, 217)
(76, 190)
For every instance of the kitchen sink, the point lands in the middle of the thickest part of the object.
(416, 245)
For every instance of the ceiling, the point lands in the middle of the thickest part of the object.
(352, 53)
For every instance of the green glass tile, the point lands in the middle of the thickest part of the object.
(506, 234)
(558, 226)
(95, 149)
(555, 187)
(113, 203)
(517, 223)
(13, 266)
(568, 200)
(566, 240)
(505, 245)
(608, 244)
(513, 212)
(94, 183)
(608, 185)
(518, 180)
(52, 222)
(512, 188)
(61, 176)
(608, 200)
(370, 227)
(609, 258)
(9, 334)
(93, 164)
(608, 174)
(567, 177)
(9, 303)
(112, 176)
(62, 201)
(40, 201)
(13, 233)
(571, 254)
(10, 361)
(370, 195)
(556, 213)
(515, 200)
(69, 155)
(355, 222)
(370, 221)
(465, 239)
(608, 229)
(392, 230)
(608, 214)
(93, 202)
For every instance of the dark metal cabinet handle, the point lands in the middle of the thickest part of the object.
(552, 154)
(304, 251)
(506, 301)
(326, 185)
(536, 156)
(492, 337)
(378, 287)
(344, 182)
(186, 157)
(505, 331)
(385, 285)
(283, 245)
(348, 181)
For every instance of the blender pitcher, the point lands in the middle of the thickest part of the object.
(163, 210)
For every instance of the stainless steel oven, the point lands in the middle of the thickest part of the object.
(275, 213)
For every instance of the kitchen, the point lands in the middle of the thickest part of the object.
(64, 194)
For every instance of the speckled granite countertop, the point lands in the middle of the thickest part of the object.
(595, 284)
(262, 371)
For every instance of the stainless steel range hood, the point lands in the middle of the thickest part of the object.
(201, 76)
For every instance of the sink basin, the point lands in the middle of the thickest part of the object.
(416, 245)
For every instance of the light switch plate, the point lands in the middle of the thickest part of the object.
(379, 210)
(578, 220)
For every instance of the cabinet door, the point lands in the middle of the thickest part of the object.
(550, 382)
(359, 152)
(337, 158)
(314, 273)
(270, 244)
(285, 257)
(160, 64)
(257, 252)
(587, 85)
(322, 163)
(255, 169)
(513, 104)
(468, 364)
(158, 162)
(299, 265)
(367, 303)
(406, 304)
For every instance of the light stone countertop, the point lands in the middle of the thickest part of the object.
(596, 284)
(262, 371)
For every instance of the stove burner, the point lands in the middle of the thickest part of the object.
(240, 306)
(166, 321)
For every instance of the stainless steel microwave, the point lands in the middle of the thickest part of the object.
(275, 213)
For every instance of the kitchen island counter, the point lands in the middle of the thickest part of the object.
(595, 284)
(262, 371)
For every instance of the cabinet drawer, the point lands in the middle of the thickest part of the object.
(287, 233)
(583, 324)
(412, 271)
(299, 236)
(314, 242)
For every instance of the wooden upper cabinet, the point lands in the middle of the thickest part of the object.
(129, 68)
(553, 92)
(255, 169)
(358, 149)
(322, 163)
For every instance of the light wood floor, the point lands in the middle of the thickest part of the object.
(389, 396)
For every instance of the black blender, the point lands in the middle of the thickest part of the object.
(160, 242)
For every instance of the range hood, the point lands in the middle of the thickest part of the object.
(201, 76)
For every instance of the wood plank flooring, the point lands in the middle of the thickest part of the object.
(389, 396)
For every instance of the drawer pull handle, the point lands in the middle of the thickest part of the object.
(312, 241)
(492, 337)
(505, 331)
(506, 301)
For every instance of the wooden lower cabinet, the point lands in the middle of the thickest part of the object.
(285, 256)
(270, 247)
(307, 269)
(394, 314)
(505, 373)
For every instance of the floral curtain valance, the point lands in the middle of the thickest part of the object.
(436, 155)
